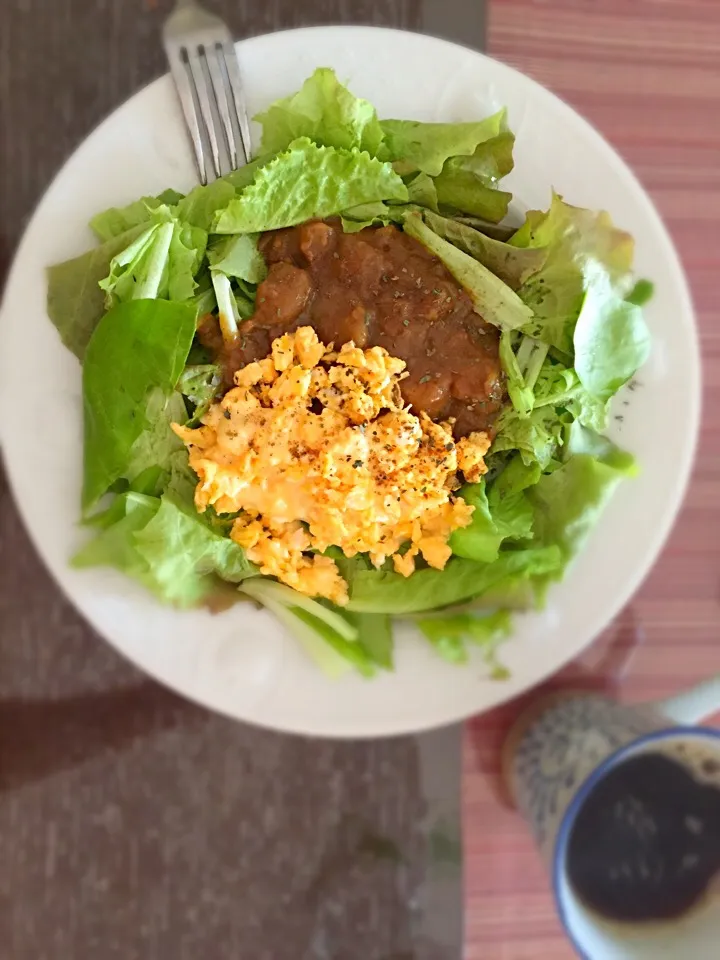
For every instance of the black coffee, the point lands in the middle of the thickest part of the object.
(646, 843)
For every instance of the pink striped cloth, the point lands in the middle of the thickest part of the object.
(646, 73)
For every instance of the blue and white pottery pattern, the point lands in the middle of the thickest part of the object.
(561, 748)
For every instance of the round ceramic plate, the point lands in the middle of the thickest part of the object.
(241, 662)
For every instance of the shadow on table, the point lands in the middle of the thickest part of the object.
(39, 738)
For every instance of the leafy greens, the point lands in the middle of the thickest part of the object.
(560, 290)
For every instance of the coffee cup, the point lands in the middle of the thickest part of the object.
(624, 804)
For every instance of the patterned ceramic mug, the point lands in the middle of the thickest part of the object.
(569, 750)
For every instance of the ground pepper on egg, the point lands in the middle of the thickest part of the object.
(314, 448)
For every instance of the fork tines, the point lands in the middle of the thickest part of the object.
(207, 76)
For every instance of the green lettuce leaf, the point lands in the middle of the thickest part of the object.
(493, 299)
(512, 264)
(158, 446)
(505, 513)
(136, 347)
(330, 636)
(204, 297)
(497, 231)
(308, 182)
(370, 214)
(426, 146)
(583, 247)
(611, 341)
(353, 652)
(264, 589)
(559, 386)
(324, 111)
(489, 162)
(583, 440)
(376, 214)
(201, 383)
(75, 302)
(519, 390)
(510, 508)
(184, 554)
(469, 184)
(463, 191)
(114, 544)
(422, 191)
(537, 437)
(517, 592)
(167, 547)
(569, 501)
(481, 539)
(244, 176)
(117, 220)
(200, 207)
(450, 636)
(136, 273)
(238, 257)
(374, 636)
(381, 591)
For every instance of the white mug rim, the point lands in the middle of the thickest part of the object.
(573, 808)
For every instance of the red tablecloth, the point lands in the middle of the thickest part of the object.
(647, 74)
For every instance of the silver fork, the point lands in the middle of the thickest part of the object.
(205, 69)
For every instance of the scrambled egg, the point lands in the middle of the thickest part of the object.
(314, 448)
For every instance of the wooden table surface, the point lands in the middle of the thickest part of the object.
(134, 826)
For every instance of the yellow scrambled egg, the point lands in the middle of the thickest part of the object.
(314, 448)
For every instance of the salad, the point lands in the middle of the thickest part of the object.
(336, 384)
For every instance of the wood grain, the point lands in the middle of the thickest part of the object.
(647, 74)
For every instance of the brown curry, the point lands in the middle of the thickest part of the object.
(377, 287)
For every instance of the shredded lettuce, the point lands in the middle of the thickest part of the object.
(161, 263)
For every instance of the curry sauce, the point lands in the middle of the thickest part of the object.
(377, 287)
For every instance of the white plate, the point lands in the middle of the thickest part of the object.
(241, 662)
